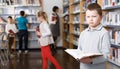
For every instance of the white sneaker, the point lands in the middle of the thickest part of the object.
(11, 55)
(26, 51)
(19, 51)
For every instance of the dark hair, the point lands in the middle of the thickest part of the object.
(43, 14)
(10, 17)
(55, 8)
(22, 13)
(95, 6)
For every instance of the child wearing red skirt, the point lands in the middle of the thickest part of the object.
(45, 39)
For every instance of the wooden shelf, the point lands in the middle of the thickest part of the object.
(114, 63)
(74, 13)
(76, 2)
(111, 26)
(114, 45)
(111, 7)
(66, 5)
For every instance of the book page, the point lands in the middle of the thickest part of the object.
(77, 54)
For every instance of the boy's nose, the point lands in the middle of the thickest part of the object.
(91, 19)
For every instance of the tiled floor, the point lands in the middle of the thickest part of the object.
(33, 60)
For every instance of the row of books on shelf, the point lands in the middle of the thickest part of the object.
(110, 3)
(32, 36)
(114, 36)
(86, 3)
(66, 18)
(111, 18)
(113, 64)
(76, 30)
(65, 11)
(30, 11)
(76, 9)
(68, 38)
(66, 27)
(65, 2)
(34, 26)
(76, 1)
(66, 31)
(7, 10)
(20, 2)
(117, 37)
(33, 19)
(6, 2)
(76, 18)
(75, 42)
(76, 22)
(115, 54)
(91, 1)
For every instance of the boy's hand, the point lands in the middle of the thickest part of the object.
(38, 33)
(1, 31)
(87, 60)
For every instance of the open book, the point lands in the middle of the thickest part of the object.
(77, 54)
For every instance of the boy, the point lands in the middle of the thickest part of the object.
(11, 30)
(22, 24)
(94, 39)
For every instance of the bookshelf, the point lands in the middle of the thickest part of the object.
(111, 21)
(31, 7)
(33, 22)
(71, 23)
(65, 31)
(74, 22)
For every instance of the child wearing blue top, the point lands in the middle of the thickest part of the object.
(94, 39)
(22, 24)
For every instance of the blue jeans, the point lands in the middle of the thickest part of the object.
(23, 36)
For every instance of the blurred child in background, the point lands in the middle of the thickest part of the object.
(11, 31)
(45, 39)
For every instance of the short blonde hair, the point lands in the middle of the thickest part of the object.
(43, 14)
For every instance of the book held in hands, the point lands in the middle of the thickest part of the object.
(11, 31)
(77, 54)
(38, 29)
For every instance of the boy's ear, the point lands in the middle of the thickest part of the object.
(101, 17)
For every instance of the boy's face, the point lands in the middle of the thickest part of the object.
(9, 20)
(57, 10)
(93, 18)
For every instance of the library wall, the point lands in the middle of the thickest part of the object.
(12, 8)
(48, 9)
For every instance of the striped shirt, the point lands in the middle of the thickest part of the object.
(96, 41)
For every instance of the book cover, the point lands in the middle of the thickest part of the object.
(54, 17)
(38, 29)
(11, 31)
(77, 54)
